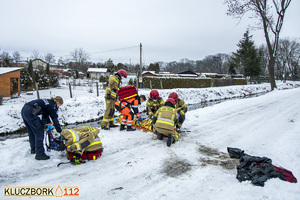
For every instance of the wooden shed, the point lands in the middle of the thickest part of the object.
(10, 81)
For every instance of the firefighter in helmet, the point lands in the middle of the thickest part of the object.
(181, 108)
(111, 98)
(164, 121)
(154, 103)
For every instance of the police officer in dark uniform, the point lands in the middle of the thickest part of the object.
(35, 125)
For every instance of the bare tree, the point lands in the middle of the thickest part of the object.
(287, 62)
(17, 57)
(50, 58)
(61, 61)
(264, 55)
(271, 15)
(79, 55)
(35, 55)
(79, 59)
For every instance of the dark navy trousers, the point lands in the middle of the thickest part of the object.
(35, 130)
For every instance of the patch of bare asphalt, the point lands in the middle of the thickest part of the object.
(215, 157)
(176, 166)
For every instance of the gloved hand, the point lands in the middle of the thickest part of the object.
(50, 127)
(61, 146)
(108, 96)
(69, 148)
(77, 160)
(141, 119)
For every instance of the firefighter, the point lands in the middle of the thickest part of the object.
(129, 108)
(181, 108)
(154, 103)
(81, 140)
(164, 121)
(111, 98)
(35, 126)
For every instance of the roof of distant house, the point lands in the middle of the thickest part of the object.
(97, 70)
(151, 72)
(38, 59)
(4, 70)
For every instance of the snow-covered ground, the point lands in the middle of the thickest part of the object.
(86, 106)
(135, 165)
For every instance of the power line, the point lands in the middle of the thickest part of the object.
(115, 49)
(104, 51)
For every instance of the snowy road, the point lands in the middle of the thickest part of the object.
(135, 165)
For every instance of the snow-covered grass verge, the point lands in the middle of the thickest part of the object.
(86, 106)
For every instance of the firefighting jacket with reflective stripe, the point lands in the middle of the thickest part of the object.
(153, 106)
(166, 117)
(81, 139)
(113, 86)
(181, 107)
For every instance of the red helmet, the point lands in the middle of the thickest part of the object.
(154, 94)
(171, 100)
(122, 72)
(174, 96)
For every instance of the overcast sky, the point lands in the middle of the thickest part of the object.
(168, 29)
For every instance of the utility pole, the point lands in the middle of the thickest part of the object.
(141, 78)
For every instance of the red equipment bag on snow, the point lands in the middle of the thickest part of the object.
(126, 92)
(90, 155)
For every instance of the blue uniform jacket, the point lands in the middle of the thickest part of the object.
(48, 108)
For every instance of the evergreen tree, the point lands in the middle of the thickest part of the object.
(102, 79)
(30, 68)
(130, 82)
(76, 74)
(110, 66)
(48, 69)
(25, 79)
(154, 67)
(247, 57)
(232, 67)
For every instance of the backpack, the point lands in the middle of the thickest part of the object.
(53, 142)
(127, 92)
(89, 155)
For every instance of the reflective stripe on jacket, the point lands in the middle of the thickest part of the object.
(166, 117)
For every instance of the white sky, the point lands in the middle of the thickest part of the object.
(168, 30)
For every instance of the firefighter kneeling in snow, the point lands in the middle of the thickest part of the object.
(181, 108)
(164, 121)
(82, 143)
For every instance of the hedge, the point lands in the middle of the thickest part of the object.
(175, 82)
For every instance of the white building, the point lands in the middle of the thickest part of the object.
(96, 73)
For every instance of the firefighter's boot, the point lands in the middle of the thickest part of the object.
(160, 136)
(129, 128)
(170, 140)
(104, 127)
(112, 125)
(122, 128)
